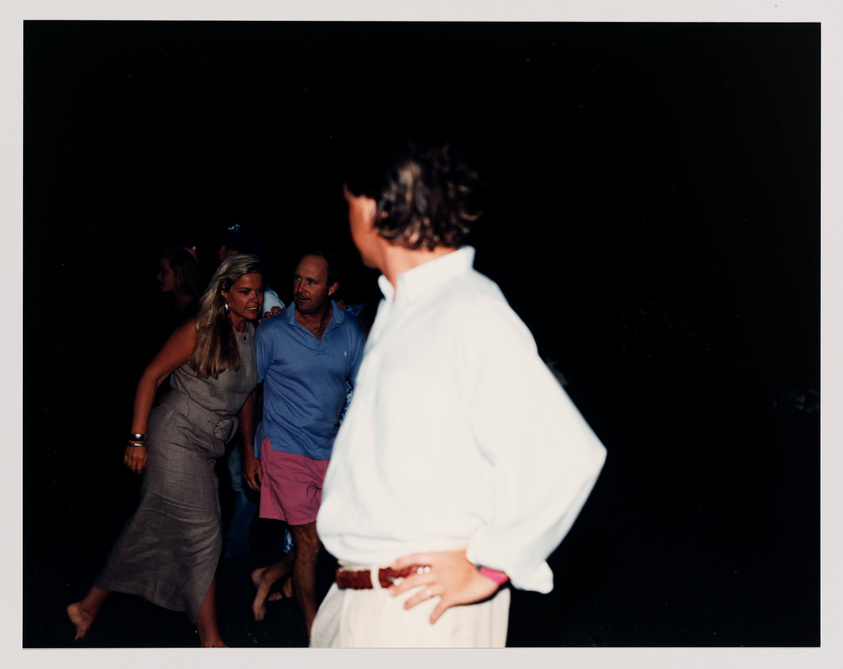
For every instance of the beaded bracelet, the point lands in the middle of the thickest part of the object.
(497, 576)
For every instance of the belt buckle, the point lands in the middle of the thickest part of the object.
(225, 428)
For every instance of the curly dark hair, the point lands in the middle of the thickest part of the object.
(424, 193)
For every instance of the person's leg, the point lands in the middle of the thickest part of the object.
(206, 620)
(299, 492)
(265, 577)
(243, 515)
(287, 587)
(82, 613)
(304, 569)
(270, 507)
(326, 627)
(286, 590)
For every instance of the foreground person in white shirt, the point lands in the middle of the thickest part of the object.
(461, 462)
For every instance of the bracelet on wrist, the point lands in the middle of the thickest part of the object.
(133, 444)
(493, 574)
(137, 437)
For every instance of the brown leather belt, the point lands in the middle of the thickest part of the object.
(362, 579)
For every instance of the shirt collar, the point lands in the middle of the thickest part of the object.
(429, 275)
(337, 314)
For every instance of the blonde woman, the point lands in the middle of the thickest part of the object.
(168, 551)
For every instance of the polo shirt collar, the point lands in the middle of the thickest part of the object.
(337, 314)
(430, 275)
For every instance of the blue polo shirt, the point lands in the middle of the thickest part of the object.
(304, 381)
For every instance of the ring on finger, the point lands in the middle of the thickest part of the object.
(428, 592)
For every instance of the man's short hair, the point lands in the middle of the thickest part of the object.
(424, 193)
(331, 258)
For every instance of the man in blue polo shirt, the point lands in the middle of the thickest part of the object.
(305, 357)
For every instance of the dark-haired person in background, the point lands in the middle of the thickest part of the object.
(178, 276)
(461, 463)
(305, 357)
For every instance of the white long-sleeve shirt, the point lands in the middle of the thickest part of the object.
(458, 436)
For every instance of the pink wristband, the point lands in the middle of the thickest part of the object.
(497, 576)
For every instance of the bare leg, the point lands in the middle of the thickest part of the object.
(82, 613)
(265, 577)
(206, 620)
(285, 592)
(304, 569)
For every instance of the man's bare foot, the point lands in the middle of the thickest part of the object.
(286, 591)
(81, 618)
(263, 585)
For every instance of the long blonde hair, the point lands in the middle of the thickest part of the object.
(216, 344)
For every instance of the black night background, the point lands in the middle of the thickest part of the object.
(652, 213)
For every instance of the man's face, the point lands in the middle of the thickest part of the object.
(361, 219)
(311, 291)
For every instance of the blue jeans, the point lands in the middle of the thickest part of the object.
(237, 536)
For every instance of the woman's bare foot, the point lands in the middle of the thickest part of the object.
(213, 643)
(80, 617)
(206, 619)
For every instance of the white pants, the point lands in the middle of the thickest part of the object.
(372, 619)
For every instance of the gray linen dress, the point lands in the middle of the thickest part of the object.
(169, 549)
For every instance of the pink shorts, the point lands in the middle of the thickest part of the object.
(291, 489)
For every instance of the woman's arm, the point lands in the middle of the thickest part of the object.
(176, 351)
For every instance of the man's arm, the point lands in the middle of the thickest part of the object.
(545, 460)
(252, 469)
(176, 351)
